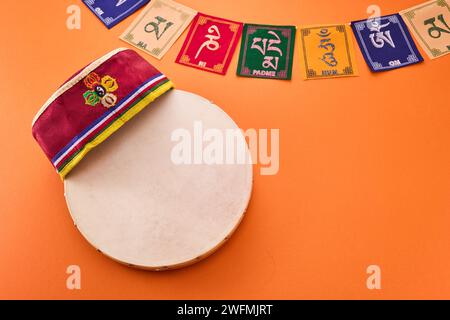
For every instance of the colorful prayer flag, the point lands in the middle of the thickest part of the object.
(159, 25)
(210, 44)
(327, 52)
(386, 43)
(267, 51)
(111, 12)
(430, 23)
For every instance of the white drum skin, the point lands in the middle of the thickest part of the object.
(135, 205)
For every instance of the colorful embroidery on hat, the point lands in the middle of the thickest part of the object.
(101, 90)
(110, 121)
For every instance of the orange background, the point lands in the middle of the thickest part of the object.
(364, 169)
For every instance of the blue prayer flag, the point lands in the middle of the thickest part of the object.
(111, 12)
(386, 43)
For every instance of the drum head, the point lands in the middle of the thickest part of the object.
(135, 204)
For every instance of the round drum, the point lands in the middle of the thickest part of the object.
(137, 201)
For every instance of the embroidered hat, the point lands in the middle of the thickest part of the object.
(95, 103)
